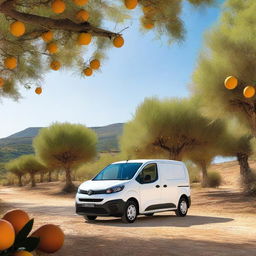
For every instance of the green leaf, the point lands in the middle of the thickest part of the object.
(30, 244)
(22, 235)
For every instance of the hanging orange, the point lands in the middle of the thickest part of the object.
(95, 64)
(17, 218)
(55, 65)
(231, 82)
(17, 28)
(249, 91)
(10, 62)
(51, 238)
(47, 36)
(131, 4)
(38, 90)
(58, 6)
(82, 15)
(1, 82)
(147, 23)
(52, 48)
(80, 2)
(7, 235)
(84, 38)
(118, 41)
(88, 71)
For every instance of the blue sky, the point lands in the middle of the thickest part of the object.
(144, 67)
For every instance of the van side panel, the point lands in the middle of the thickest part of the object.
(174, 177)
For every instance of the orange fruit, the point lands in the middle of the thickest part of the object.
(52, 48)
(38, 90)
(231, 82)
(95, 64)
(47, 36)
(131, 4)
(10, 62)
(58, 6)
(249, 91)
(82, 15)
(147, 23)
(17, 28)
(7, 235)
(55, 65)
(88, 71)
(1, 82)
(51, 238)
(84, 38)
(17, 218)
(80, 2)
(22, 253)
(118, 41)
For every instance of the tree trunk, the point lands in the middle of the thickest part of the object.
(32, 179)
(174, 156)
(245, 171)
(20, 180)
(57, 175)
(204, 181)
(50, 176)
(69, 186)
(41, 177)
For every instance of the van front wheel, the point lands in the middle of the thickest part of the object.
(90, 217)
(182, 207)
(130, 212)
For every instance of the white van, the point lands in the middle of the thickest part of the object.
(128, 188)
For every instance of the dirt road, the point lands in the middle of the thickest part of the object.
(219, 223)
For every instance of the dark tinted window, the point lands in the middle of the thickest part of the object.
(122, 171)
(148, 174)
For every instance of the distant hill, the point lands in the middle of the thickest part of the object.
(21, 142)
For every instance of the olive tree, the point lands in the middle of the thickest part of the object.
(13, 167)
(65, 146)
(169, 128)
(31, 165)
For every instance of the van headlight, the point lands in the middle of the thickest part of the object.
(114, 189)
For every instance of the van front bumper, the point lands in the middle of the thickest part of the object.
(111, 208)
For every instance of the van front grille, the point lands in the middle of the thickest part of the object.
(91, 192)
(90, 200)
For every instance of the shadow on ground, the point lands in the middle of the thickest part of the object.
(98, 246)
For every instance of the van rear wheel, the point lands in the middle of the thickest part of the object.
(130, 212)
(182, 207)
(90, 217)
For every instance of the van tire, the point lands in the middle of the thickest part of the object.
(182, 207)
(90, 218)
(130, 212)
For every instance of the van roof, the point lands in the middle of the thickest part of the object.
(148, 160)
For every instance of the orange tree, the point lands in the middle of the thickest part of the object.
(42, 35)
(65, 146)
(225, 77)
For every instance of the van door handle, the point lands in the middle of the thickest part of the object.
(157, 186)
(165, 186)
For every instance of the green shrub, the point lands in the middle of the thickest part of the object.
(214, 179)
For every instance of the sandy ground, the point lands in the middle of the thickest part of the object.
(220, 222)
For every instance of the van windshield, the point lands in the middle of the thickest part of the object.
(121, 171)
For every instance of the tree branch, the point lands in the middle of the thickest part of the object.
(8, 9)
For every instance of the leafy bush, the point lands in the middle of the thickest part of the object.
(214, 179)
